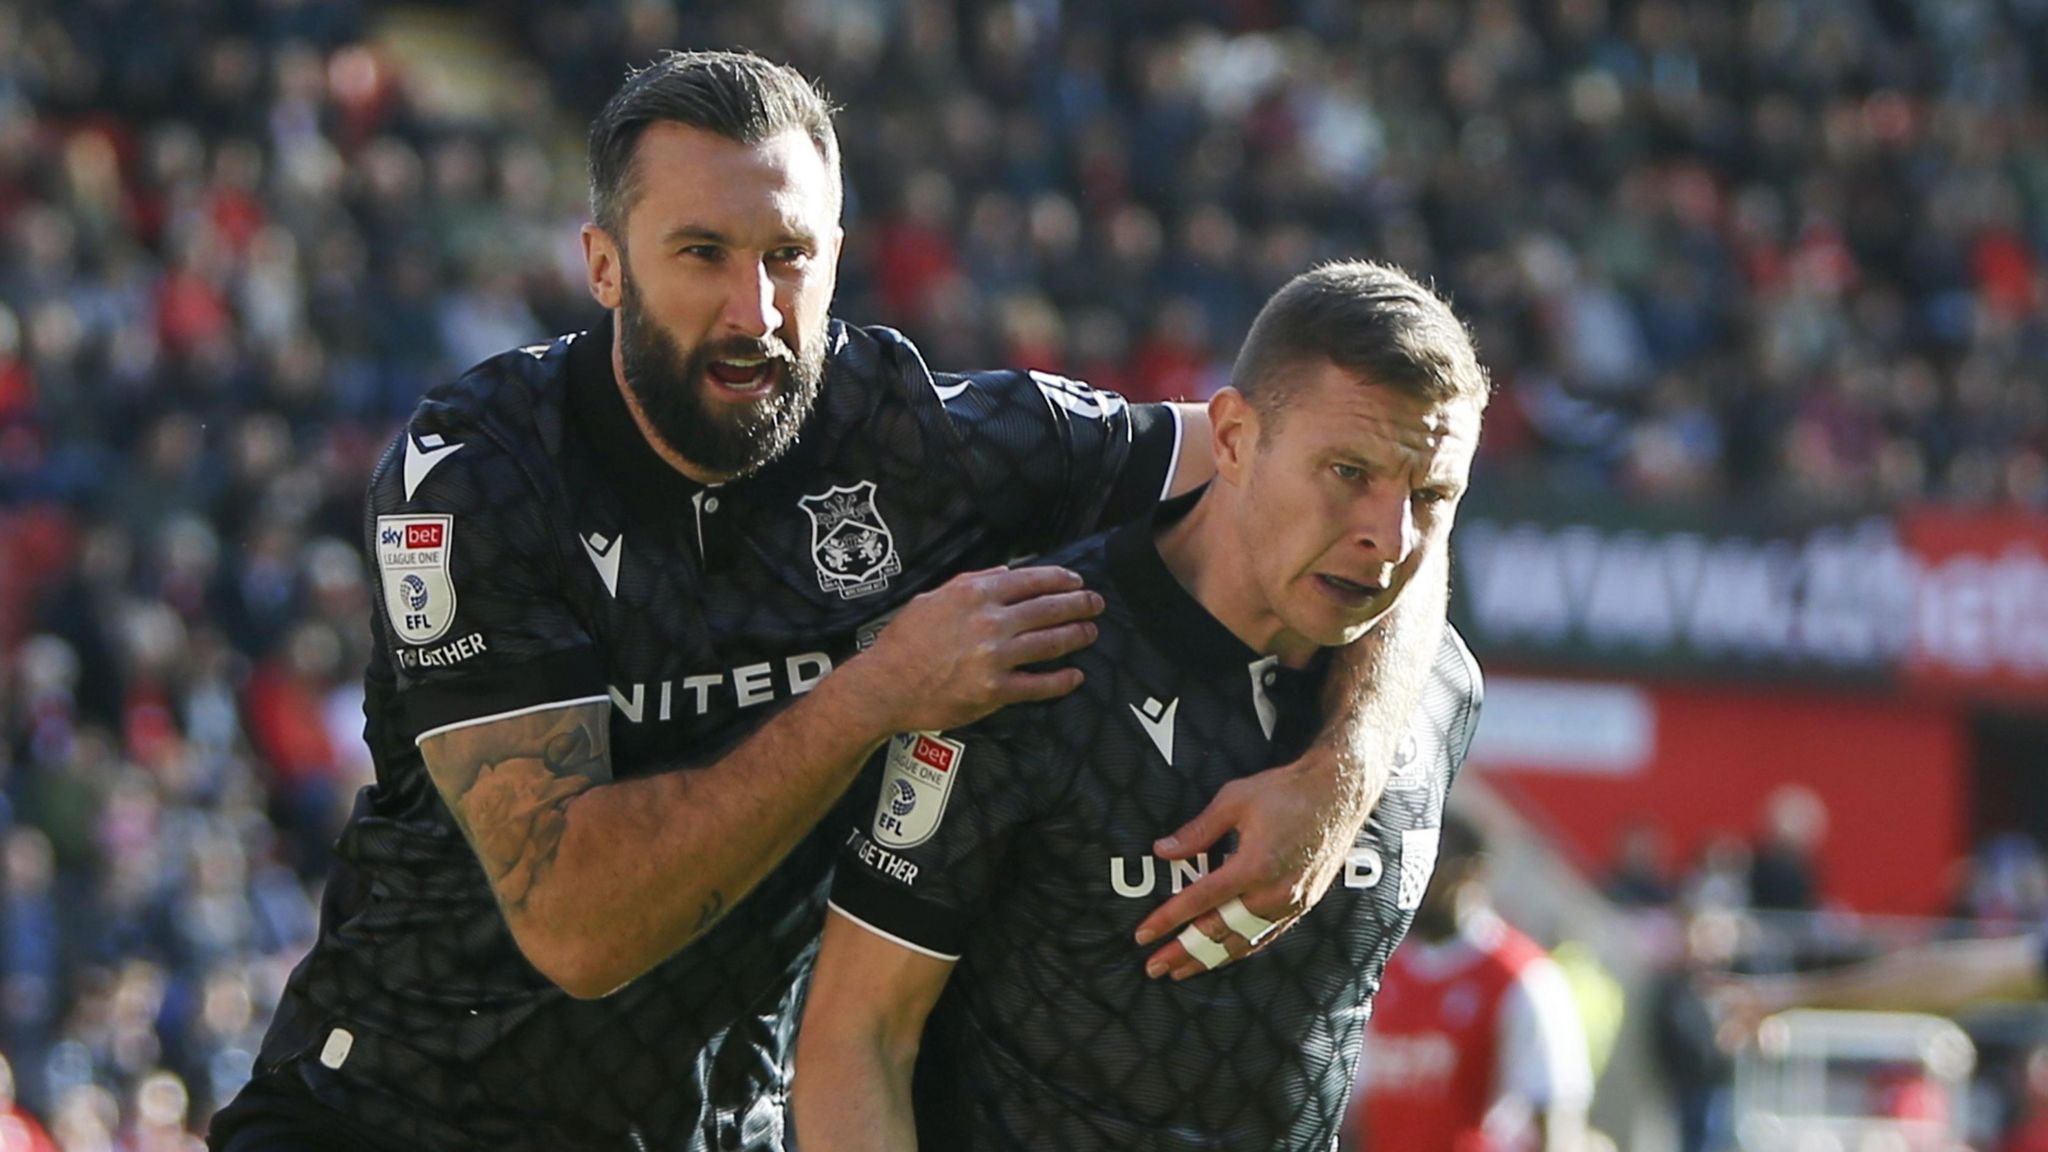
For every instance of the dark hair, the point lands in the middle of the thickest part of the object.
(1370, 319)
(1460, 838)
(738, 95)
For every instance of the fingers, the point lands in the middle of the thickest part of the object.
(1051, 610)
(1208, 826)
(1023, 687)
(1243, 921)
(1048, 644)
(1015, 585)
(1204, 895)
(1203, 946)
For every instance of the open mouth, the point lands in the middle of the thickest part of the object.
(1349, 592)
(742, 377)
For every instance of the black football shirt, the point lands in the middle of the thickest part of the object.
(1021, 847)
(532, 550)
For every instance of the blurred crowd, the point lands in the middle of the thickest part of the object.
(1759, 904)
(1777, 250)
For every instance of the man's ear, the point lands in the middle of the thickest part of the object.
(606, 266)
(1233, 435)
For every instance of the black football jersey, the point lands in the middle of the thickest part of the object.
(533, 550)
(1021, 846)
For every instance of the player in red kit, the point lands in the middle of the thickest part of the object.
(1475, 1044)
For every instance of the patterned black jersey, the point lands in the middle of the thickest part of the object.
(1022, 847)
(533, 550)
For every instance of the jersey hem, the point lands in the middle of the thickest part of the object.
(891, 937)
(526, 711)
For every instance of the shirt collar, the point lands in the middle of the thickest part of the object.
(1177, 624)
(640, 475)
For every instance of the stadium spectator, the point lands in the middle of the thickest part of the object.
(1475, 1043)
(1692, 1050)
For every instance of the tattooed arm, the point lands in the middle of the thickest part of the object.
(600, 879)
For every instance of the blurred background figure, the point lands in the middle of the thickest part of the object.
(1475, 1043)
(1692, 1049)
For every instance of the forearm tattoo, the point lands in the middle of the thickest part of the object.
(510, 783)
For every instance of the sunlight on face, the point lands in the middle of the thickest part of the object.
(726, 282)
(1350, 487)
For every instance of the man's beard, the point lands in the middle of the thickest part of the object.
(728, 440)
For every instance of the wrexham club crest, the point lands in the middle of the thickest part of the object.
(851, 545)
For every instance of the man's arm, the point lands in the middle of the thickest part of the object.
(1943, 978)
(1542, 1063)
(600, 878)
(1296, 824)
(862, 1026)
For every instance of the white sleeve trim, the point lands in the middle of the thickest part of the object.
(1173, 462)
(1543, 1044)
(526, 711)
(891, 937)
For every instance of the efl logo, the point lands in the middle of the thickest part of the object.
(424, 535)
(932, 752)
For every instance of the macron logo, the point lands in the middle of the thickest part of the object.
(604, 556)
(421, 457)
(1157, 720)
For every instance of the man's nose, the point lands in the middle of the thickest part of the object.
(1385, 524)
(750, 301)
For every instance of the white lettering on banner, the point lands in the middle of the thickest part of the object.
(1839, 597)
(1978, 615)
(1849, 596)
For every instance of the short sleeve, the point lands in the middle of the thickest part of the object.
(1462, 672)
(1053, 459)
(471, 609)
(1543, 1042)
(935, 818)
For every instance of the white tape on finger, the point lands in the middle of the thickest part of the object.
(1206, 951)
(1245, 922)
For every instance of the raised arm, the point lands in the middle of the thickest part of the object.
(1944, 977)
(602, 878)
(862, 1027)
(1296, 824)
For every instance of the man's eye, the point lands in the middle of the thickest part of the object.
(1347, 472)
(702, 252)
(789, 255)
(1428, 496)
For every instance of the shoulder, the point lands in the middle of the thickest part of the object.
(491, 431)
(1456, 670)
(1087, 558)
(1517, 952)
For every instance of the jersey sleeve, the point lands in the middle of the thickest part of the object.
(471, 611)
(934, 821)
(1054, 459)
(1543, 1043)
(1459, 671)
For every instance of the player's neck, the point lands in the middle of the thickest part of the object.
(669, 456)
(1205, 555)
